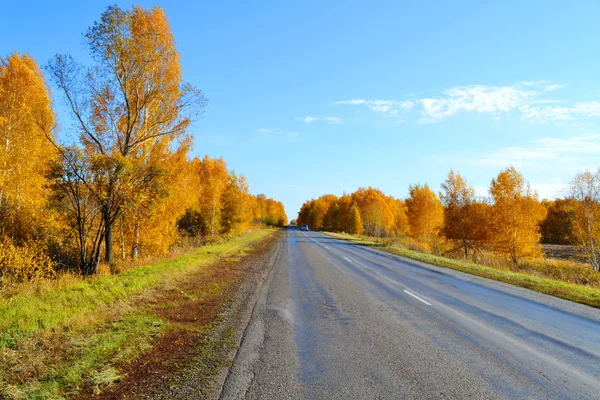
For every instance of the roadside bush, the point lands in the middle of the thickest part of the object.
(23, 263)
(421, 247)
(566, 271)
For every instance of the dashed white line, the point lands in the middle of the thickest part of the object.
(347, 259)
(326, 247)
(416, 297)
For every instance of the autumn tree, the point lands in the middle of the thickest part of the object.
(320, 212)
(235, 205)
(214, 178)
(155, 210)
(558, 227)
(75, 199)
(425, 213)
(268, 211)
(377, 218)
(515, 216)
(343, 213)
(131, 100)
(380, 215)
(585, 190)
(304, 213)
(354, 224)
(460, 224)
(398, 208)
(26, 120)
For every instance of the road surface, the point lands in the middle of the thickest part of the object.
(339, 321)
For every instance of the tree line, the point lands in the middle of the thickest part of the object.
(122, 183)
(510, 222)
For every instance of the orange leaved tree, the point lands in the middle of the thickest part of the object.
(515, 217)
(130, 101)
(377, 218)
(26, 118)
(460, 224)
(425, 213)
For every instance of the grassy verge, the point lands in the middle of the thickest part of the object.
(62, 340)
(579, 293)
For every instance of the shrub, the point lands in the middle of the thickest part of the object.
(23, 263)
(418, 246)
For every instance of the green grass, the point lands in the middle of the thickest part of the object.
(583, 294)
(56, 341)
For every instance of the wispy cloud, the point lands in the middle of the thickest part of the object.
(382, 106)
(560, 113)
(308, 119)
(546, 151)
(528, 101)
(475, 98)
(554, 86)
(263, 130)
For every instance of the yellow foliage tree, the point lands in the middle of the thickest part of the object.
(354, 225)
(214, 179)
(515, 217)
(398, 209)
(26, 120)
(425, 213)
(235, 212)
(460, 218)
(131, 101)
(378, 219)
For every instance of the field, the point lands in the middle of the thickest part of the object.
(563, 252)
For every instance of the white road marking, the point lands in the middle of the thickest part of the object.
(347, 259)
(416, 297)
(326, 247)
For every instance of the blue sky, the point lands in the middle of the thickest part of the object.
(315, 97)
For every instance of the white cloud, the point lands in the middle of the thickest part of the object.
(560, 113)
(292, 134)
(475, 98)
(353, 102)
(309, 119)
(555, 86)
(529, 101)
(263, 130)
(381, 106)
(548, 151)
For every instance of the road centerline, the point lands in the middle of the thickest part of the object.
(347, 259)
(417, 297)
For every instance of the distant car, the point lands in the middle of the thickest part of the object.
(304, 228)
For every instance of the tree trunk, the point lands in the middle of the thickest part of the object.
(123, 253)
(108, 243)
(135, 249)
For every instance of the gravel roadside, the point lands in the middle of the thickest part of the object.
(204, 375)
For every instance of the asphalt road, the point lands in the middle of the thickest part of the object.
(338, 321)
